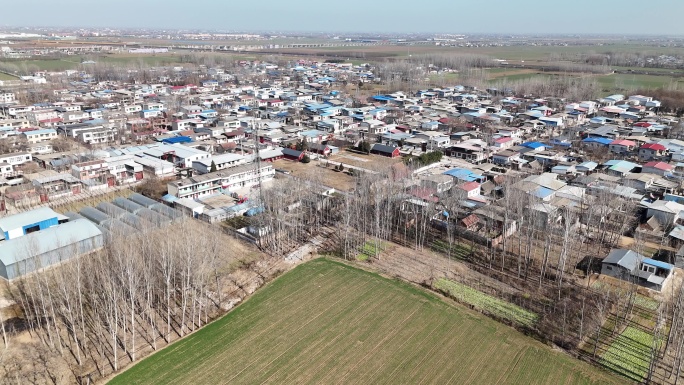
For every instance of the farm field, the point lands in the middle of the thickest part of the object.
(73, 62)
(487, 303)
(630, 353)
(630, 81)
(326, 322)
(4, 76)
(513, 54)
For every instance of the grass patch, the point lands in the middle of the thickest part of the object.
(458, 250)
(370, 249)
(629, 354)
(487, 303)
(325, 322)
(645, 302)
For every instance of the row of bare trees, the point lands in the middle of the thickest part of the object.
(544, 263)
(138, 293)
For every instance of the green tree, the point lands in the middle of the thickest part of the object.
(213, 167)
(364, 146)
(306, 159)
(302, 145)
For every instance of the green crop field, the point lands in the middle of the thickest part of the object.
(4, 76)
(328, 323)
(487, 303)
(73, 62)
(630, 353)
(629, 81)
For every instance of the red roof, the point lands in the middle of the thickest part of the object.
(469, 186)
(659, 165)
(623, 142)
(52, 120)
(642, 124)
(424, 193)
(470, 220)
(504, 140)
(654, 146)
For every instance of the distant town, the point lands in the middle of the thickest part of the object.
(545, 192)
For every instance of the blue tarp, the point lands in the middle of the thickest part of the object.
(254, 211)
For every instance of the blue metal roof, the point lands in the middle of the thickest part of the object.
(382, 98)
(463, 174)
(177, 139)
(660, 264)
(604, 141)
(542, 192)
(533, 145)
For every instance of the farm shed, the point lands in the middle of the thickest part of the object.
(381, 149)
(111, 210)
(155, 206)
(631, 266)
(128, 205)
(142, 200)
(48, 246)
(18, 225)
(94, 215)
(167, 211)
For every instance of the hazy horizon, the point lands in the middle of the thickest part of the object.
(582, 17)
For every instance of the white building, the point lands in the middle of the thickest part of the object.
(7, 97)
(226, 180)
(37, 136)
(222, 162)
(16, 159)
(181, 156)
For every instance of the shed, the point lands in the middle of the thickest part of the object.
(291, 154)
(167, 211)
(18, 225)
(381, 149)
(43, 248)
(128, 205)
(142, 200)
(111, 210)
(94, 215)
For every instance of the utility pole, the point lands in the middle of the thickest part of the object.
(255, 132)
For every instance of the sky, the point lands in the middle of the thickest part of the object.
(624, 17)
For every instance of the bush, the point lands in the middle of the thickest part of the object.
(364, 147)
(427, 158)
(306, 159)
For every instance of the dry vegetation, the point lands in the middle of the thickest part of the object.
(95, 314)
(314, 172)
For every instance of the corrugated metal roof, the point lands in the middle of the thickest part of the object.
(40, 242)
(660, 264)
(142, 200)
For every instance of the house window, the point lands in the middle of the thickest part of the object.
(650, 269)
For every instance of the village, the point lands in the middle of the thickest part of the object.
(211, 144)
